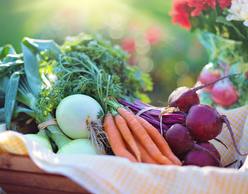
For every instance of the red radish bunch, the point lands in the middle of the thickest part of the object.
(223, 92)
(209, 74)
(184, 98)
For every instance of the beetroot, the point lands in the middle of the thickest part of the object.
(184, 97)
(200, 158)
(224, 93)
(209, 74)
(203, 122)
(179, 139)
(210, 147)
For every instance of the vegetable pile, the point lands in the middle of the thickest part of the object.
(187, 125)
(83, 98)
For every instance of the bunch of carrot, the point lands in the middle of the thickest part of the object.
(134, 138)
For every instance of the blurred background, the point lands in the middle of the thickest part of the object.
(143, 28)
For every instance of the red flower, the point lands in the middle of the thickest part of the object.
(181, 13)
(224, 3)
(184, 9)
(153, 35)
(200, 5)
(128, 44)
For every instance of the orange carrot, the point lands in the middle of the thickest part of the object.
(159, 140)
(143, 137)
(115, 139)
(127, 135)
(145, 157)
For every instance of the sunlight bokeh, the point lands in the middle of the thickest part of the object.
(173, 56)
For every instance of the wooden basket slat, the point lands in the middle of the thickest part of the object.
(16, 189)
(38, 180)
(20, 172)
(18, 163)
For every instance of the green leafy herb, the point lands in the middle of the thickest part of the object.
(94, 67)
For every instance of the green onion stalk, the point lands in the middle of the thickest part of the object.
(26, 97)
(24, 84)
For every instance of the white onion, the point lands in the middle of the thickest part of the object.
(75, 113)
(79, 146)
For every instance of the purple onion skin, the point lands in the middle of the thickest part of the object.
(203, 122)
(179, 139)
(200, 158)
(210, 147)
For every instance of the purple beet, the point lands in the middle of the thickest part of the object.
(205, 123)
(210, 147)
(184, 97)
(200, 158)
(179, 139)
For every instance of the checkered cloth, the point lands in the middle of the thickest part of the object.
(108, 174)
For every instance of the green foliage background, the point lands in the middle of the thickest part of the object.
(175, 60)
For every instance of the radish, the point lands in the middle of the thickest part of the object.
(224, 93)
(179, 139)
(205, 123)
(76, 115)
(184, 97)
(209, 74)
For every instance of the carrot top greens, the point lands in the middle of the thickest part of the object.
(92, 66)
